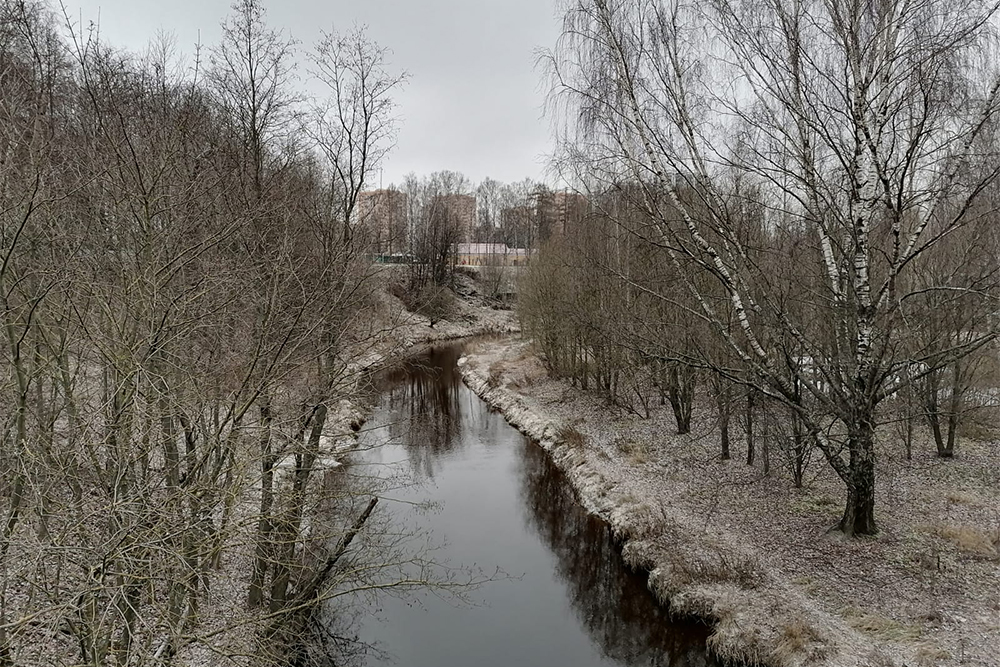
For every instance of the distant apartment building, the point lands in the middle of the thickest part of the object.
(460, 211)
(560, 212)
(382, 214)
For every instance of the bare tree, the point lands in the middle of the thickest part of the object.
(355, 127)
(939, 319)
(181, 313)
(863, 125)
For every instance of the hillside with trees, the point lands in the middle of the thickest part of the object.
(190, 318)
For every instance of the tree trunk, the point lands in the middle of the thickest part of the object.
(954, 412)
(799, 451)
(949, 448)
(265, 527)
(725, 437)
(908, 432)
(680, 393)
(859, 512)
(722, 400)
(291, 521)
(749, 428)
(766, 440)
(932, 411)
(909, 439)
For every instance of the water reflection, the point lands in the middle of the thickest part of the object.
(423, 396)
(612, 602)
(502, 503)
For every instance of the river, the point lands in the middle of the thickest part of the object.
(462, 492)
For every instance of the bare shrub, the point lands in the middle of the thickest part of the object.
(435, 303)
(980, 423)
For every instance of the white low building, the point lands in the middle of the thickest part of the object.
(489, 254)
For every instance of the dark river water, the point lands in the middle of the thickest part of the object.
(464, 495)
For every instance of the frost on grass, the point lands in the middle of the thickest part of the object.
(751, 554)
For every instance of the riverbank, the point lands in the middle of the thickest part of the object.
(554, 588)
(751, 554)
(387, 336)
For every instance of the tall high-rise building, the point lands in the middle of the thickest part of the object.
(460, 211)
(382, 214)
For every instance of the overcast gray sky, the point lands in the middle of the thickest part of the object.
(474, 100)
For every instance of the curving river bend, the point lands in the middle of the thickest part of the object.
(461, 487)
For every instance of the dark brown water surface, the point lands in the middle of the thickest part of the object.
(563, 595)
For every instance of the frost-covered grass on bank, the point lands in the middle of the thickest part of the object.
(387, 335)
(752, 554)
(223, 629)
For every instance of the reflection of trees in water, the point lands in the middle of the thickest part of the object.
(334, 642)
(333, 639)
(612, 602)
(424, 400)
(391, 557)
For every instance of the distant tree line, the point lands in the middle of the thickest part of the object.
(798, 222)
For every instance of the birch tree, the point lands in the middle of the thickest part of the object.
(867, 125)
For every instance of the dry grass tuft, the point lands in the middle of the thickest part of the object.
(571, 435)
(716, 568)
(636, 452)
(526, 353)
(817, 505)
(807, 585)
(880, 626)
(878, 658)
(796, 637)
(963, 498)
(929, 655)
(971, 540)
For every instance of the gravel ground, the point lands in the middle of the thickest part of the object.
(752, 553)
